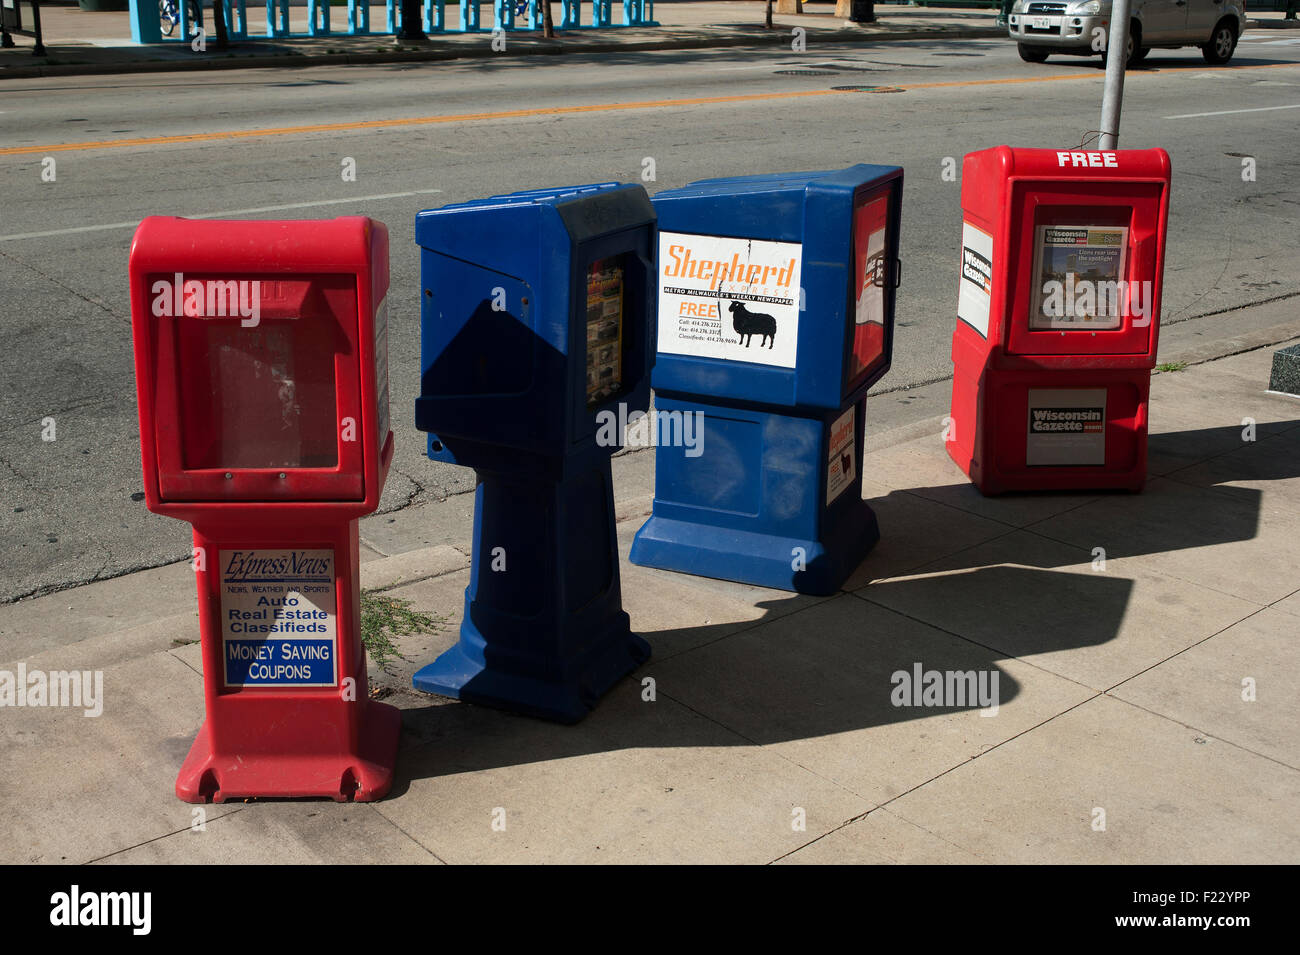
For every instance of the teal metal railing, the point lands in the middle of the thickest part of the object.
(145, 18)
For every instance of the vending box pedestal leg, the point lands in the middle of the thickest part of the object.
(297, 719)
(544, 632)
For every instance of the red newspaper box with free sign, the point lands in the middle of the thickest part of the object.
(261, 358)
(1058, 308)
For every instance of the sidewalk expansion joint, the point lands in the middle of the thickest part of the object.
(763, 746)
(847, 822)
(1214, 737)
(378, 807)
(751, 625)
(167, 835)
(999, 654)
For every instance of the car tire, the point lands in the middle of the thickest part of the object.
(1032, 54)
(1222, 43)
(1136, 52)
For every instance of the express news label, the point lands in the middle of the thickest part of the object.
(278, 613)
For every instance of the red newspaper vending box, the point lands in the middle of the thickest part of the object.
(1058, 308)
(261, 359)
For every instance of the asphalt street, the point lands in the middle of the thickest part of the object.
(273, 143)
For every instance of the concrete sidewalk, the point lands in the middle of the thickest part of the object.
(1122, 734)
(84, 42)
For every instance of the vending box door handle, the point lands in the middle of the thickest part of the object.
(898, 272)
(1144, 258)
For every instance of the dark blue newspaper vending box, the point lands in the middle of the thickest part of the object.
(535, 329)
(776, 314)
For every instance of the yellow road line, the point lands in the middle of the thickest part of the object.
(545, 111)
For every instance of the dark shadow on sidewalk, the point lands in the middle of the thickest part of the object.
(838, 665)
(832, 666)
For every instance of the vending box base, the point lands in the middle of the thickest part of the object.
(768, 499)
(759, 559)
(1055, 431)
(463, 673)
(313, 764)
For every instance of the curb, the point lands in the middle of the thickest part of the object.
(535, 48)
(1203, 354)
(1208, 352)
(1272, 24)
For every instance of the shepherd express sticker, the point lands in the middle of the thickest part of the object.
(840, 468)
(734, 299)
(278, 618)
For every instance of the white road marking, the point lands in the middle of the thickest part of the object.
(107, 226)
(1225, 112)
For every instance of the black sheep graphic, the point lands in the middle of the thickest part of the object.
(748, 324)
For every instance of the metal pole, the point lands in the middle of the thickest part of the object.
(862, 11)
(1112, 97)
(412, 30)
(39, 49)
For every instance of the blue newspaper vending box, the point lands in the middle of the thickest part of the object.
(776, 314)
(535, 328)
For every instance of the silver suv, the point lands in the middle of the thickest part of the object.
(1081, 27)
